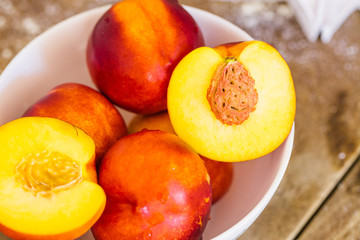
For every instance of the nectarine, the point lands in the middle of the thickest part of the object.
(134, 48)
(84, 108)
(234, 102)
(221, 173)
(157, 188)
(48, 180)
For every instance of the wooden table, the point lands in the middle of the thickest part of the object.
(319, 197)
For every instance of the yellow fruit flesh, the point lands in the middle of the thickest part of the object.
(261, 133)
(47, 185)
(47, 172)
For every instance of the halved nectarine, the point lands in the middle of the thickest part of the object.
(48, 180)
(221, 173)
(234, 102)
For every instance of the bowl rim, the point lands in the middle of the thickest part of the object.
(241, 226)
(233, 232)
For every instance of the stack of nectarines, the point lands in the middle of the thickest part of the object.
(71, 163)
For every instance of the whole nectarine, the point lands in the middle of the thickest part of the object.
(221, 173)
(232, 103)
(134, 48)
(85, 108)
(157, 188)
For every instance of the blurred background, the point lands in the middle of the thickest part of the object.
(319, 197)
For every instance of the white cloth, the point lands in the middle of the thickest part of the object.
(322, 18)
(318, 18)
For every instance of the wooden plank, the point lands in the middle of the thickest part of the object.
(327, 134)
(339, 217)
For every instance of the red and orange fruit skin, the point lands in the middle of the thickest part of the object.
(134, 48)
(221, 173)
(85, 108)
(157, 188)
(221, 177)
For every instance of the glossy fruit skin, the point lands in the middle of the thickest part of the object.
(221, 173)
(134, 48)
(86, 108)
(157, 188)
(268, 124)
(54, 214)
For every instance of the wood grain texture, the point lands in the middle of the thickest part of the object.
(327, 136)
(339, 217)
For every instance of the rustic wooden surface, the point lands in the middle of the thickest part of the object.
(319, 197)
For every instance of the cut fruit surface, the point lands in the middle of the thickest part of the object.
(269, 104)
(48, 181)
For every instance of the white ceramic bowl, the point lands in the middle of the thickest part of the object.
(58, 56)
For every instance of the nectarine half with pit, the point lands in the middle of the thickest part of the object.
(85, 108)
(134, 48)
(48, 180)
(234, 102)
(221, 173)
(157, 188)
